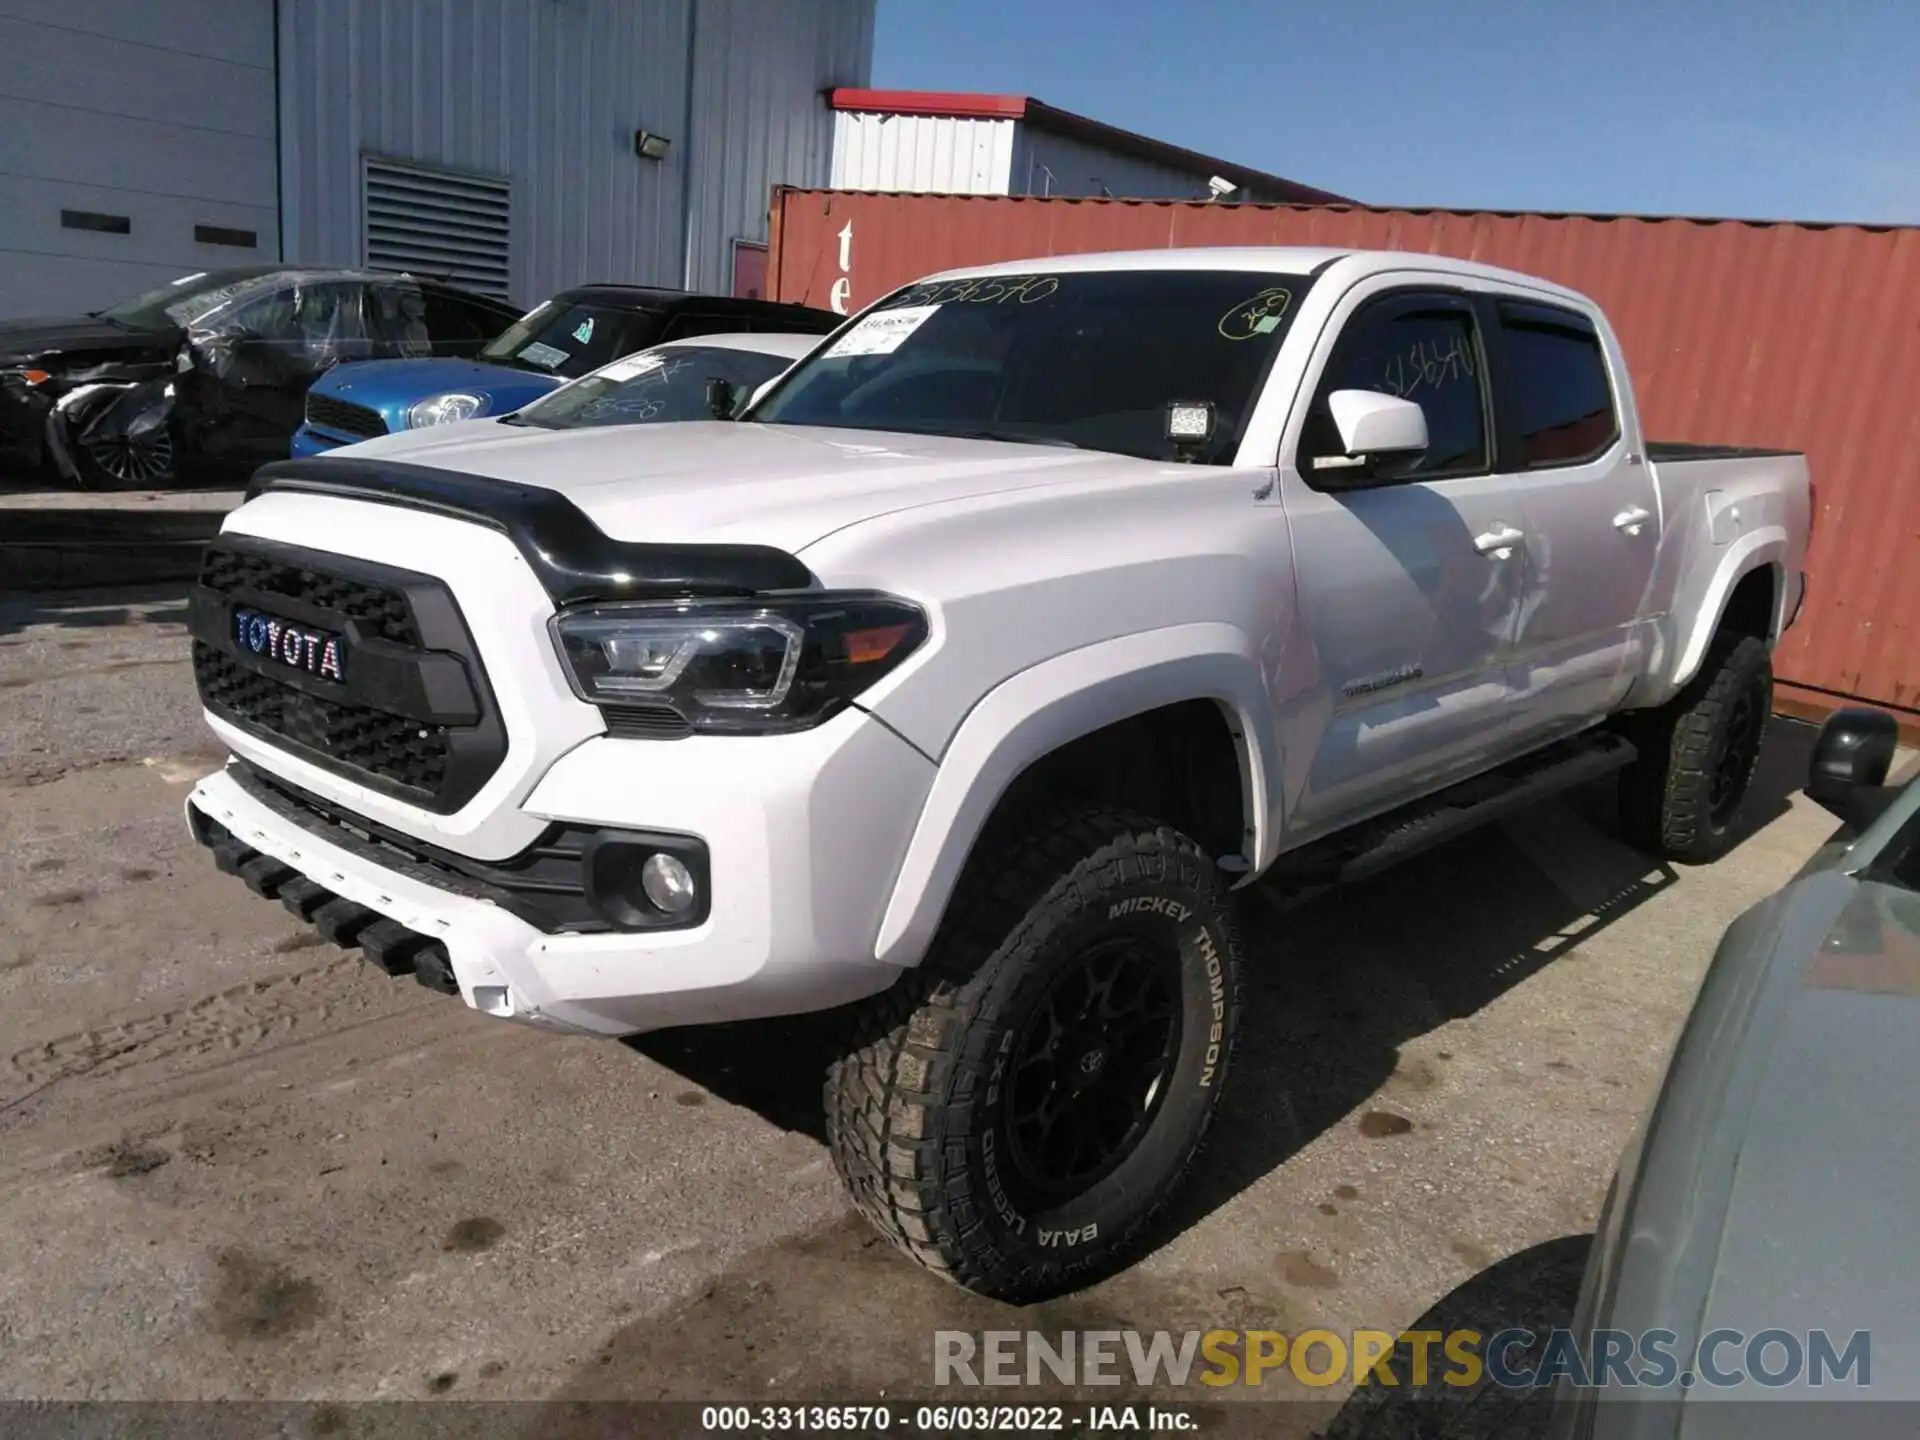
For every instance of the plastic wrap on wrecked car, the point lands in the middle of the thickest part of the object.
(110, 396)
(312, 321)
(281, 330)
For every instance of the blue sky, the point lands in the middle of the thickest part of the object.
(1765, 109)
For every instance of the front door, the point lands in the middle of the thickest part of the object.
(254, 364)
(1408, 576)
(1592, 520)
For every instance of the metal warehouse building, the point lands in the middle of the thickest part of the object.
(513, 146)
(920, 142)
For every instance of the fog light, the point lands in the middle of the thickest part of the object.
(668, 884)
(641, 881)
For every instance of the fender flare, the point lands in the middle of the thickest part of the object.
(1765, 547)
(1052, 704)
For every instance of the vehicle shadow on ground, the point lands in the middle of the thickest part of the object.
(1536, 1291)
(158, 603)
(1337, 985)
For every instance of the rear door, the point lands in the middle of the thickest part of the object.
(1592, 518)
(1404, 585)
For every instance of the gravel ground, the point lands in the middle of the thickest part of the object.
(24, 497)
(236, 1163)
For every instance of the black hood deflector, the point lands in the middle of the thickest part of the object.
(575, 561)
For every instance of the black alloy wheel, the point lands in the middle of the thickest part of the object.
(1091, 1066)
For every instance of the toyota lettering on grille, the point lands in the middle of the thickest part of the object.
(314, 651)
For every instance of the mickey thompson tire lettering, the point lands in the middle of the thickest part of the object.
(918, 1104)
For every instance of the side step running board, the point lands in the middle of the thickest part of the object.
(1400, 834)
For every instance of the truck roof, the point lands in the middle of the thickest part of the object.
(1268, 259)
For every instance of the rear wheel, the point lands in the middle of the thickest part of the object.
(1682, 798)
(1018, 1110)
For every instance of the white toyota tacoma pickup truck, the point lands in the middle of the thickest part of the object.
(958, 679)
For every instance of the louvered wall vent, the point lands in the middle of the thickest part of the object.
(437, 223)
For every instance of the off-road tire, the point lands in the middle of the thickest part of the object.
(1667, 794)
(915, 1101)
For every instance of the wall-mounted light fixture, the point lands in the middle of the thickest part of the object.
(649, 146)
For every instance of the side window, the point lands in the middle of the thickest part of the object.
(397, 321)
(459, 327)
(330, 323)
(1420, 348)
(689, 326)
(1557, 374)
(268, 317)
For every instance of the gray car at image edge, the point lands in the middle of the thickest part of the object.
(1775, 1183)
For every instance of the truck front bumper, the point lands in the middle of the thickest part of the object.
(800, 867)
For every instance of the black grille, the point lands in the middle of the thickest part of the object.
(409, 754)
(412, 716)
(380, 609)
(344, 416)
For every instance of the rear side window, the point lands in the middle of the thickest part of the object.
(1557, 377)
(1418, 348)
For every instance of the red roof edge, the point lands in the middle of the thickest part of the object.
(930, 102)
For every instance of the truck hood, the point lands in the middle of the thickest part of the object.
(781, 485)
(393, 386)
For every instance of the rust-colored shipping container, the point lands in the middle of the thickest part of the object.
(1797, 336)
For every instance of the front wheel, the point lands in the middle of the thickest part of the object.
(1681, 799)
(1018, 1110)
(143, 459)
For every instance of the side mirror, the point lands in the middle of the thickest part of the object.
(1371, 424)
(1848, 773)
(720, 398)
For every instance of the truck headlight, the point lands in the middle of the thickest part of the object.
(445, 409)
(739, 666)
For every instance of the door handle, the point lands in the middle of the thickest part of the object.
(1631, 519)
(1499, 541)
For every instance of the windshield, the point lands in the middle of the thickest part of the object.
(652, 388)
(187, 298)
(1091, 359)
(562, 337)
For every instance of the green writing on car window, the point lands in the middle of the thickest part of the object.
(1260, 315)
